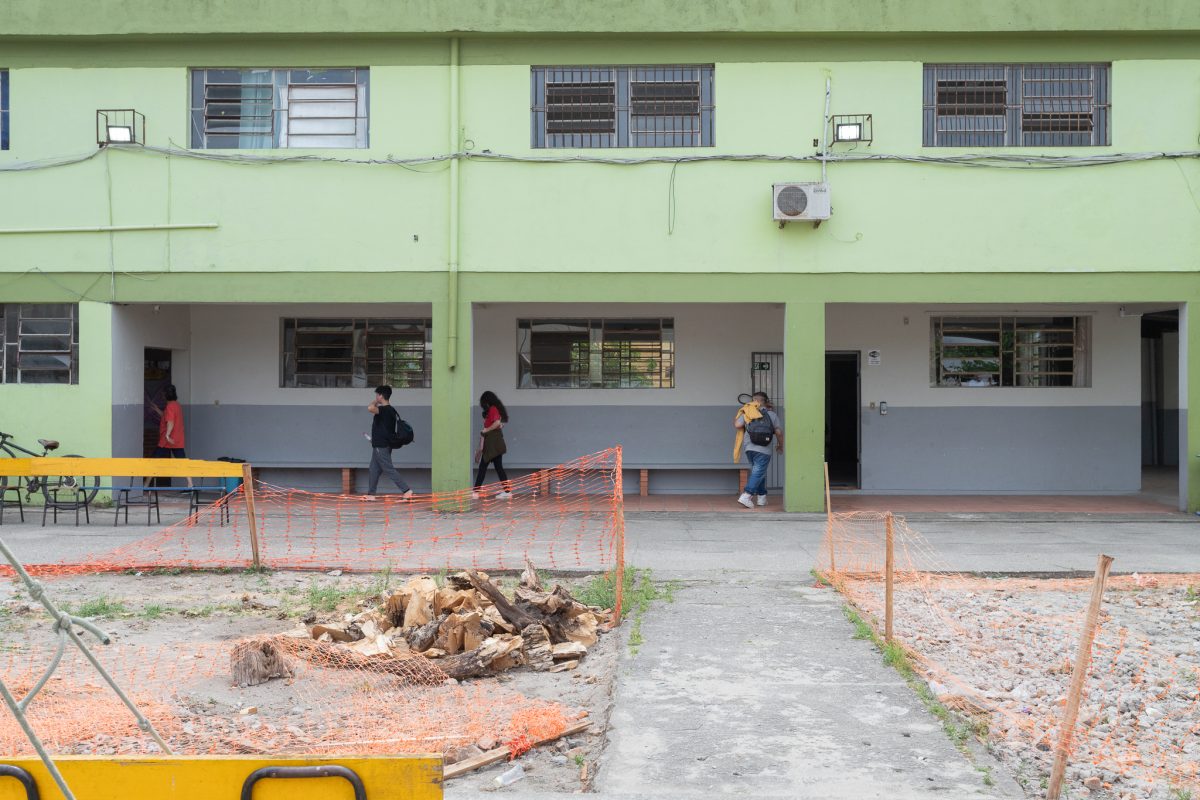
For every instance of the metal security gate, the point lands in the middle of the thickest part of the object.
(766, 375)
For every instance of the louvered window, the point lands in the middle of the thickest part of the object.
(3, 109)
(1016, 105)
(646, 106)
(280, 108)
(39, 343)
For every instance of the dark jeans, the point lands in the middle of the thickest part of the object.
(757, 482)
(381, 463)
(483, 465)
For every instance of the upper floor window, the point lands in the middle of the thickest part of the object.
(264, 108)
(39, 343)
(596, 354)
(1031, 352)
(3, 109)
(1016, 105)
(647, 106)
(330, 353)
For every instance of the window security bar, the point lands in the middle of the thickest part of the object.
(64, 626)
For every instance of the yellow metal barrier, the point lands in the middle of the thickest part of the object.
(220, 777)
(110, 467)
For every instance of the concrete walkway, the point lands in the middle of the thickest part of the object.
(750, 683)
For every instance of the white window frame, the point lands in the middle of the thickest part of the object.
(591, 368)
(322, 100)
(359, 372)
(14, 333)
(1034, 363)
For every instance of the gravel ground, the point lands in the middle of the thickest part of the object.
(1008, 646)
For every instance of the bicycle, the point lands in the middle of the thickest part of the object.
(61, 492)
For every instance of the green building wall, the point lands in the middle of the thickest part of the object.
(343, 232)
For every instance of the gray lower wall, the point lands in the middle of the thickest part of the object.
(127, 431)
(279, 435)
(994, 449)
(1168, 421)
(919, 450)
(649, 435)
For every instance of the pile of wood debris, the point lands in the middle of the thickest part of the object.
(470, 628)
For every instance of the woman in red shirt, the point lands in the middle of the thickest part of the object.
(170, 429)
(491, 448)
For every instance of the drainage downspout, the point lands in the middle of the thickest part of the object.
(452, 277)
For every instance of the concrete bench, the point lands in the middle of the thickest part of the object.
(644, 468)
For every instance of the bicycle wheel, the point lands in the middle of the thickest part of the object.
(70, 491)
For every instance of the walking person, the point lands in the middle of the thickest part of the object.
(170, 428)
(383, 429)
(491, 447)
(758, 425)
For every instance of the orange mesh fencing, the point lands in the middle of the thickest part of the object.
(1001, 651)
(325, 705)
(570, 517)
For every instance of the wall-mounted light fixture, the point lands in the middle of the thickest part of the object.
(852, 128)
(120, 126)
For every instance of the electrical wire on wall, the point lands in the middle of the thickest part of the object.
(975, 160)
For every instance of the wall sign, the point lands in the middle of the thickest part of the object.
(874, 358)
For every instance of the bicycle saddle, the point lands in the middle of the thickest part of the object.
(49, 444)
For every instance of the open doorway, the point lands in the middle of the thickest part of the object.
(842, 418)
(1160, 404)
(156, 378)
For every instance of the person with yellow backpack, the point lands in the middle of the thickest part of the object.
(758, 427)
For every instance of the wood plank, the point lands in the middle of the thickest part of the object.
(500, 753)
(119, 467)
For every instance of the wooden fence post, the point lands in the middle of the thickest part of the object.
(248, 488)
(889, 569)
(829, 521)
(1082, 659)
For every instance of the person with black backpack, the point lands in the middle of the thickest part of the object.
(388, 431)
(758, 425)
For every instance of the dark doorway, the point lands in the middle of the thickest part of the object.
(842, 409)
(156, 378)
(1160, 389)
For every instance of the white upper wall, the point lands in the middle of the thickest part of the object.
(713, 347)
(236, 354)
(902, 334)
(136, 327)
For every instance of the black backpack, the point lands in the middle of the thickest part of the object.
(762, 430)
(403, 433)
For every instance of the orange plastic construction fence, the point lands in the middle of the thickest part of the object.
(570, 517)
(1001, 651)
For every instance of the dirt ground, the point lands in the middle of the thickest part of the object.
(184, 610)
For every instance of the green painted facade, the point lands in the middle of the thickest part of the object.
(565, 232)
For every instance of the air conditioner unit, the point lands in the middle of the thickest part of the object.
(800, 202)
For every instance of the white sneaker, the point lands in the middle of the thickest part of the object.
(745, 500)
(762, 500)
(475, 495)
(503, 495)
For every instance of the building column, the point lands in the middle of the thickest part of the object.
(1189, 405)
(452, 401)
(804, 393)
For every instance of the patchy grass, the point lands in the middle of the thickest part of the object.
(100, 607)
(202, 611)
(818, 577)
(1179, 793)
(328, 598)
(155, 611)
(861, 629)
(958, 729)
(640, 591)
